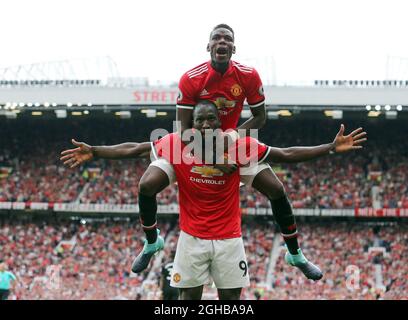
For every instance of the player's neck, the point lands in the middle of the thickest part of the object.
(220, 67)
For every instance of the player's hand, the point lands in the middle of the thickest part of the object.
(74, 157)
(352, 141)
(226, 168)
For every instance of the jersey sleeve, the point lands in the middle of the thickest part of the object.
(186, 96)
(161, 148)
(168, 147)
(249, 150)
(254, 91)
(12, 276)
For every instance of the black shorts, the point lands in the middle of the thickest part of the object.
(4, 294)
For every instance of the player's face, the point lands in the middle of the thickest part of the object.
(221, 45)
(206, 118)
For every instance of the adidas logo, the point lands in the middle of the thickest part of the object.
(204, 93)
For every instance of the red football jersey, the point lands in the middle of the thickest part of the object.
(208, 199)
(227, 91)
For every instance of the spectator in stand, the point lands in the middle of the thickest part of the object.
(7, 281)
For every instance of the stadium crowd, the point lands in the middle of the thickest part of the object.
(73, 260)
(342, 250)
(30, 169)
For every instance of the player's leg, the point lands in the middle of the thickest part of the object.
(229, 294)
(229, 268)
(191, 293)
(4, 294)
(156, 178)
(171, 294)
(153, 181)
(266, 182)
(191, 267)
(175, 294)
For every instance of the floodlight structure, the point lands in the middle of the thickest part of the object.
(84, 71)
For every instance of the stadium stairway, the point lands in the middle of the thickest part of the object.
(83, 191)
(274, 254)
(379, 284)
(376, 199)
(378, 272)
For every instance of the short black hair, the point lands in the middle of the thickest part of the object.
(223, 26)
(205, 103)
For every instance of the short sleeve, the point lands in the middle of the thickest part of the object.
(254, 91)
(168, 147)
(249, 150)
(186, 96)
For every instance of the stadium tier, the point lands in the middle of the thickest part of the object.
(32, 177)
(73, 233)
(73, 260)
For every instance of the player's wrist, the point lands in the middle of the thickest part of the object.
(233, 134)
(93, 152)
(332, 148)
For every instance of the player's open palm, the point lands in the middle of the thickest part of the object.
(75, 157)
(352, 141)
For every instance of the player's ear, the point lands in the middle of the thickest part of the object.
(208, 47)
(233, 49)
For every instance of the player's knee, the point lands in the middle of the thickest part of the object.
(276, 191)
(147, 188)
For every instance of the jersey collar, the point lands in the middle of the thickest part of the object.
(215, 71)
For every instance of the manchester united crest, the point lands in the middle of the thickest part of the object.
(236, 90)
(176, 277)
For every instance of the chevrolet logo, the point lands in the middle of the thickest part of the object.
(207, 171)
(222, 103)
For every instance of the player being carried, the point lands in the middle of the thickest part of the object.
(210, 245)
(228, 84)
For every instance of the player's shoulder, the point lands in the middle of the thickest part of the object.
(243, 69)
(166, 138)
(173, 136)
(197, 71)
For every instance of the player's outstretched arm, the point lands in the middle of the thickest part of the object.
(341, 143)
(85, 152)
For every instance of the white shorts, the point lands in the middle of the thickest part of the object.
(199, 261)
(247, 174)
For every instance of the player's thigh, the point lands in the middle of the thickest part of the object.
(191, 267)
(191, 293)
(247, 174)
(229, 267)
(171, 294)
(157, 177)
(267, 183)
(229, 294)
